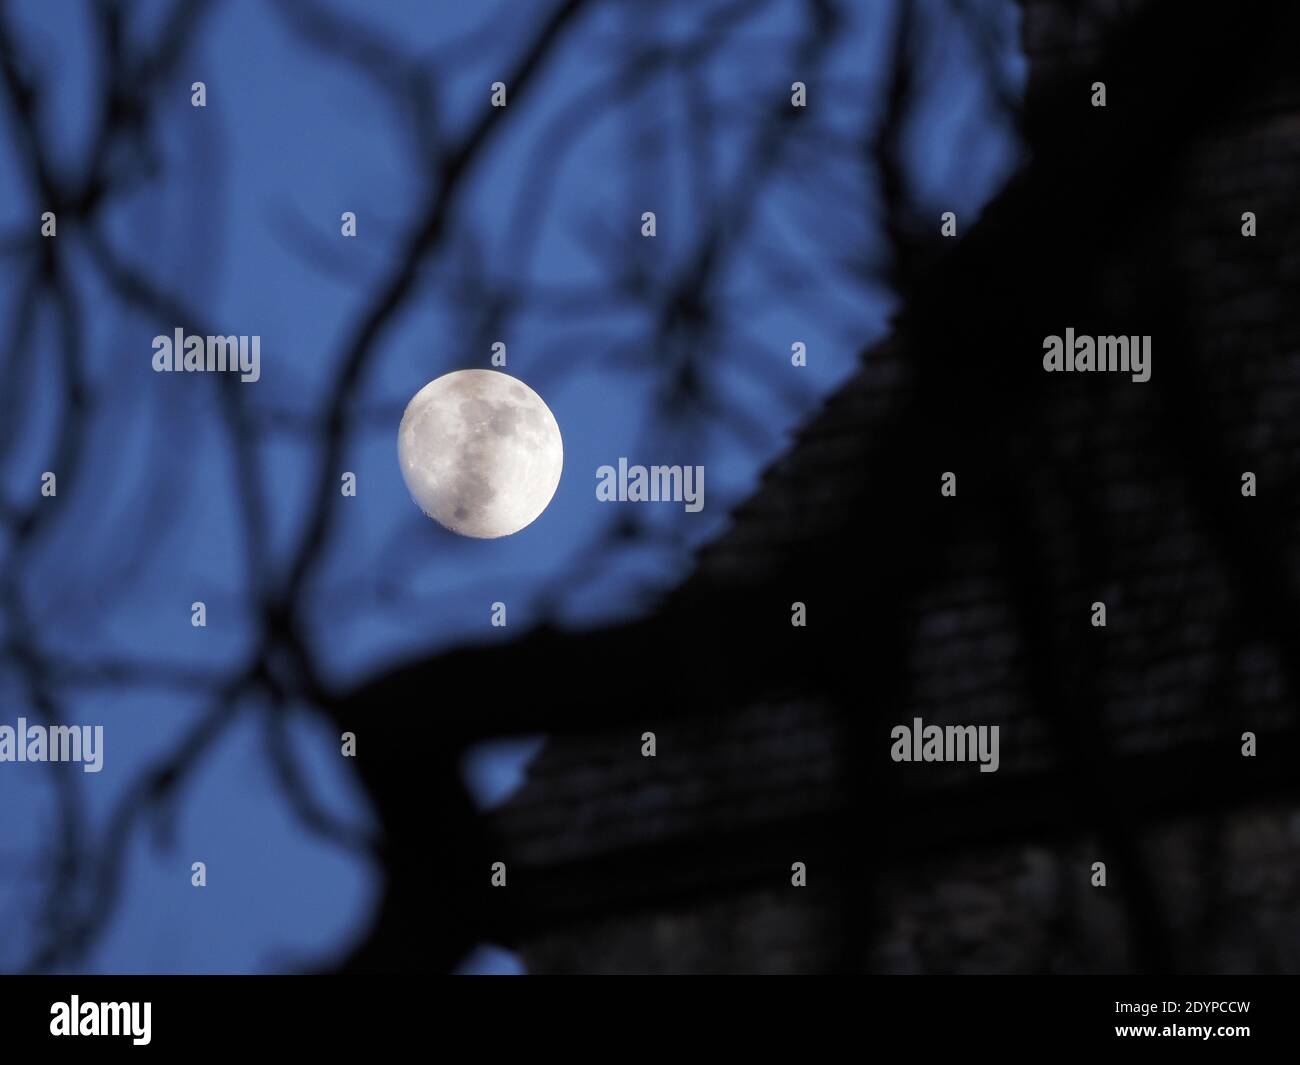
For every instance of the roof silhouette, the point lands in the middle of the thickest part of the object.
(1119, 744)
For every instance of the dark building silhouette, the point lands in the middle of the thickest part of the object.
(1119, 744)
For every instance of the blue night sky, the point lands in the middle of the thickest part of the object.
(238, 216)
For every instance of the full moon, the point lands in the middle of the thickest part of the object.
(480, 452)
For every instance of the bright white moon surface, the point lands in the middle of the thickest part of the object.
(480, 452)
